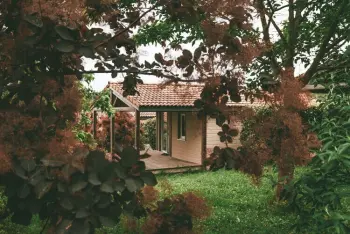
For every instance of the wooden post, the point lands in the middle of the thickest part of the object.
(137, 136)
(112, 132)
(94, 123)
(157, 131)
(204, 140)
(170, 131)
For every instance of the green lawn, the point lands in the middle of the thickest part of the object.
(238, 205)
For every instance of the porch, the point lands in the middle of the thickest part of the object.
(159, 162)
(177, 132)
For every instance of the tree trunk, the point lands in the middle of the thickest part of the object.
(285, 176)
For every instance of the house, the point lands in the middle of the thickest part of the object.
(183, 140)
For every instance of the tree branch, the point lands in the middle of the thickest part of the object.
(291, 35)
(336, 42)
(127, 28)
(122, 71)
(333, 66)
(323, 48)
(279, 31)
(266, 37)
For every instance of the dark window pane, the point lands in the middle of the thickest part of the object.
(183, 122)
(178, 125)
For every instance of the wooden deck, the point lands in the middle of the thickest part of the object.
(157, 162)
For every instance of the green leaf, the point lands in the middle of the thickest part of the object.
(107, 222)
(120, 171)
(20, 171)
(119, 186)
(187, 54)
(159, 58)
(220, 120)
(52, 163)
(23, 191)
(93, 178)
(37, 177)
(230, 163)
(28, 165)
(327, 145)
(197, 53)
(86, 52)
(344, 148)
(107, 187)
(222, 138)
(133, 184)
(67, 171)
(67, 204)
(78, 186)
(225, 128)
(82, 213)
(65, 46)
(129, 156)
(233, 132)
(64, 32)
(104, 201)
(148, 65)
(34, 20)
(61, 187)
(42, 188)
(149, 178)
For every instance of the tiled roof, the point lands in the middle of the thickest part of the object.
(155, 95)
(147, 114)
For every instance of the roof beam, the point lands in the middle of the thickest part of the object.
(125, 109)
(123, 99)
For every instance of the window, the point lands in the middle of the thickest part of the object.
(181, 126)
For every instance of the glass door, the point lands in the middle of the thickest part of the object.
(164, 132)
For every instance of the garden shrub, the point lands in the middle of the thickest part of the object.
(124, 127)
(275, 134)
(149, 132)
(168, 213)
(319, 194)
(86, 193)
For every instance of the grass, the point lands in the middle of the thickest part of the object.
(238, 205)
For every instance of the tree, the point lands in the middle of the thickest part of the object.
(44, 168)
(314, 34)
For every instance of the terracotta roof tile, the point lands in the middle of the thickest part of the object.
(155, 95)
(147, 114)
